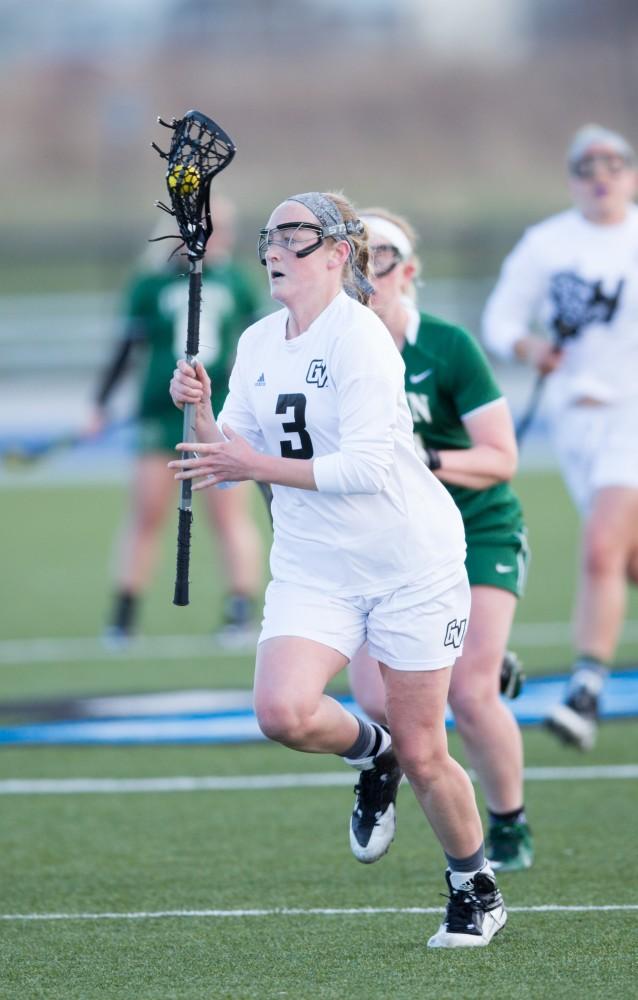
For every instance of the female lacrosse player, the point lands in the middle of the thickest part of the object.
(576, 274)
(367, 543)
(156, 319)
(463, 432)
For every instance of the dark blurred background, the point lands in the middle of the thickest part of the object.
(455, 112)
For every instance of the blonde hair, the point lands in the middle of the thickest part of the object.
(360, 256)
(410, 234)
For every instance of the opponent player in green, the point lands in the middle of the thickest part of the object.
(464, 433)
(156, 310)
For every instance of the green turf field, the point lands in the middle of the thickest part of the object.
(161, 895)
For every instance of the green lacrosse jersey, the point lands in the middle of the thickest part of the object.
(157, 310)
(447, 377)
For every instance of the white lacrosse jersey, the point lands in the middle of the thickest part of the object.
(586, 275)
(379, 518)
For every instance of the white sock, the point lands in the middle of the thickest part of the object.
(463, 880)
(365, 763)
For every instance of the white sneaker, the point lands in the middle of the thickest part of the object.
(116, 639)
(374, 819)
(238, 638)
(575, 720)
(572, 727)
(474, 914)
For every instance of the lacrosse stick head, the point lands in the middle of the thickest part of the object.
(199, 150)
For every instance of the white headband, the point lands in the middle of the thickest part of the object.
(390, 232)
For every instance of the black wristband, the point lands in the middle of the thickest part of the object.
(434, 459)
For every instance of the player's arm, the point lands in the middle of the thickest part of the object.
(361, 464)
(368, 377)
(367, 400)
(367, 405)
(368, 374)
(115, 367)
(510, 311)
(493, 455)
(223, 454)
(192, 384)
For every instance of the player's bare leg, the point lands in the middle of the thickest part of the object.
(293, 709)
(610, 539)
(415, 707)
(152, 493)
(491, 736)
(229, 512)
(151, 497)
(632, 568)
(290, 702)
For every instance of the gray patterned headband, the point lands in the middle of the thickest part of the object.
(332, 223)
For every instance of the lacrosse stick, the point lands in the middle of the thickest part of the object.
(577, 303)
(199, 150)
(526, 418)
(29, 452)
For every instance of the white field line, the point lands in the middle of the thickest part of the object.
(284, 911)
(83, 649)
(177, 647)
(259, 782)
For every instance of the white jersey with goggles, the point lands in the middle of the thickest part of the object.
(379, 518)
(580, 280)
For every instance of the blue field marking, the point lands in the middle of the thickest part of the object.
(239, 725)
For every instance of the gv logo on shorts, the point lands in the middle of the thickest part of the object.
(317, 373)
(454, 632)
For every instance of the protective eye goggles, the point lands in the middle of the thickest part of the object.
(585, 168)
(302, 238)
(383, 259)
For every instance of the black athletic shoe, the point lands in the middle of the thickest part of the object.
(373, 821)
(474, 913)
(512, 675)
(575, 721)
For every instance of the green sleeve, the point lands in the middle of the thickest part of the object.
(472, 383)
(137, 298)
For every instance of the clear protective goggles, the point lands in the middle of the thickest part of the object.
(585, 168)
(383, 259)
(302, 238)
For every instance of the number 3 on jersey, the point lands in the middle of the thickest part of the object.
(295, 401)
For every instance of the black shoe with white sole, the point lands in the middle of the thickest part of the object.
(373, 821)
(474, 914)
(512, 675)
(575, 721)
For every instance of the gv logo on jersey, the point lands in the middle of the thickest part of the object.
(317, 374)
(454, 632)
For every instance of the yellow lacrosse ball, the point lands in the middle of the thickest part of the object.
(184, 179)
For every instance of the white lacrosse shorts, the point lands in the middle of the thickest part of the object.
(416, 627)
(597, 447)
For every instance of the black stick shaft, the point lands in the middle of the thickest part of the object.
(194, 309)
(532, 406)
(181, 595)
